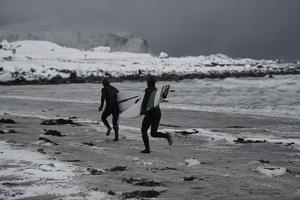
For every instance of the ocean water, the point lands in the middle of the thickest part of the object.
(276, 97)
(261, 98)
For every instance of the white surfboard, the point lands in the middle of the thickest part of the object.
(126, 100)
(154, 100)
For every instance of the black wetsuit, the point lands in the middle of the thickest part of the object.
(152, 118)
(109, 95)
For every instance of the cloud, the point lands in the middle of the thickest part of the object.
(238, 28)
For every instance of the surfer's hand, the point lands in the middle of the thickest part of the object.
(99, 109)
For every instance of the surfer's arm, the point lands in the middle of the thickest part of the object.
(145, 100)
(102, 100)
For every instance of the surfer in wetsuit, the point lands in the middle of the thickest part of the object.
(152, 116)
(109, 95)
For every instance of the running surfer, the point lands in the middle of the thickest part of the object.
(109, 94)
(152, 116)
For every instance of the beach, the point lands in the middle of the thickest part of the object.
(194, 167)
(215, 154)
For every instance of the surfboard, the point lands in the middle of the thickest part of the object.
(154, 100)
(126, 100)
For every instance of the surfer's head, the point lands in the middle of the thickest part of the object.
(105, 82)
(151, 80)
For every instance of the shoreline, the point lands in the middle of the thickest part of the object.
(71, 77)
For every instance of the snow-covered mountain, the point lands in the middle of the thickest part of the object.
(47, 62)
(12, 36)
(80, 40)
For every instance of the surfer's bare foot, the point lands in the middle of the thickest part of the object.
(116, 139)
(108, 131)
(169, 138)
(145, 151)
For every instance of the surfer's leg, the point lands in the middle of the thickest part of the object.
(145, 126)
(115, 118)
(154, 120)
(154, 127)
(104, 116)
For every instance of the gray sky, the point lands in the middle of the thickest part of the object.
(238, 28)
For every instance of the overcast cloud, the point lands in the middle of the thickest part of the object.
(238, 28)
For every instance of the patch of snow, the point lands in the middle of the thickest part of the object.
(147, 163)
(271, 171)
(101, 49)
(163, 55)
(44, 176)
(191, 162)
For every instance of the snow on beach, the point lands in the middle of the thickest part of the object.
(46, 61)
(25, 174)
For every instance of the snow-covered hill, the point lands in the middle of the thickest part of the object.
(80, 40)
(46, 62)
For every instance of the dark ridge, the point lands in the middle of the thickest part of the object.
(141, 75)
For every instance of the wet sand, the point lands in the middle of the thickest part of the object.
(194, 167)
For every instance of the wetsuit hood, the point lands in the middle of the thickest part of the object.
(151, 81)
(105, 82)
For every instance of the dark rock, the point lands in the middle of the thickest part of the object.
(189, 178)
(243, 141)
(236, 126)
(73, 77)
(295, 171)
(57, 80)
(54, 133)
(94, 171)
(194, 131)
(95, 189)
(117, 168)
(59, 121)
(72, 160)
(264, 161)
(8, 58)
(41, 151)
(66, 71)
(289, 144)
(88, 143)
(74, 117)
(47, 140)
(18, 184)
(141, 194)
(278, 143)
(212, 64)
(7, 121)
(142, 182)
(163, 168)
(111, 193)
